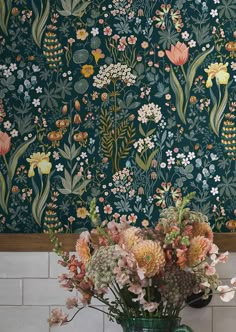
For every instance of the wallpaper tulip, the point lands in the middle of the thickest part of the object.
(131, 102)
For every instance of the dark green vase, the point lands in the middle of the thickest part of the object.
(150, 324)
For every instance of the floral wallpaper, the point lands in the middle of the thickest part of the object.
(131, 102)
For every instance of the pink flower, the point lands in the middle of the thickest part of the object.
(150, 306)
(210, 270)
(108, 209)
(72, 302)
(116, 215)
(226, 293)
(123, 41)
(132, 40)
(122, 279)
(121, 48)
(214, 249)
(144, 44)
(233, 281)
(57, 318)
(132, 218)
(115, 37)
(123, 218)
(107, 31)
(223, 257)
(71, 41)
(5, 142)
(178, 54)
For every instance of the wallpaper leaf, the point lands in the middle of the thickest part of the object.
(126, 103)
(40, 20)
(5, 11)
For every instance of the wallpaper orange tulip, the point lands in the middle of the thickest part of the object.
(178, 54)
(5, 142)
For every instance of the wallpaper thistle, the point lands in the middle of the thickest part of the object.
(128, 101)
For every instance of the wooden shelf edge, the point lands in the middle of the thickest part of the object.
(41, 242)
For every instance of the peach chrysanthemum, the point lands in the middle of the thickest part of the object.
(199, 247)
(202, 229)
(83, 250)
(129, 237)
(149, 256)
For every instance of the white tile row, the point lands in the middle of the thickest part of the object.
(28, 287)
(34, 319)
(30, 265)
(44, 265)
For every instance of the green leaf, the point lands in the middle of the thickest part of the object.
(40, 21)
(151, 131)
(191, 73)
(65, 191)
(150, 159)
(141, 130)
(13, 161)
(3, 193)
(145, 165)
(179, 95)
(73, 7)
(139, 68)
(35, 202)
(80, 188)
(140, 162)
(81, 10)
(75, 181)
(43, 199)
(5, 10)
(220, 111)
(213, 112)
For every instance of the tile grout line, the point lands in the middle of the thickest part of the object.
(212, 321)
(103, 322)
(49, 310)
(49, 265)
(23, 287)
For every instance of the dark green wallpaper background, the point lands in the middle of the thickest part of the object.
(129, 101)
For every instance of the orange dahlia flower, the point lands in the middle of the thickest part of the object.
(199, 247)
(83, 250)
(150, 257)
(202, 229)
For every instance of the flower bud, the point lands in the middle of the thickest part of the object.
(15, 11)
(77, 119)
(64, 109)
(77, 105)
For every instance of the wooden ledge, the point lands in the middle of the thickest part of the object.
(41, 242)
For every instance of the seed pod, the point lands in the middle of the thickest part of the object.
(77, 105)
(77, 119)
(64, 109)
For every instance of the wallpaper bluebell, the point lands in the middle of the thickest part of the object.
(128, 101)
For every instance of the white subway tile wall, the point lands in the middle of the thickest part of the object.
(29, 290)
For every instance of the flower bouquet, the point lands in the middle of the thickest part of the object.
(143, 275)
